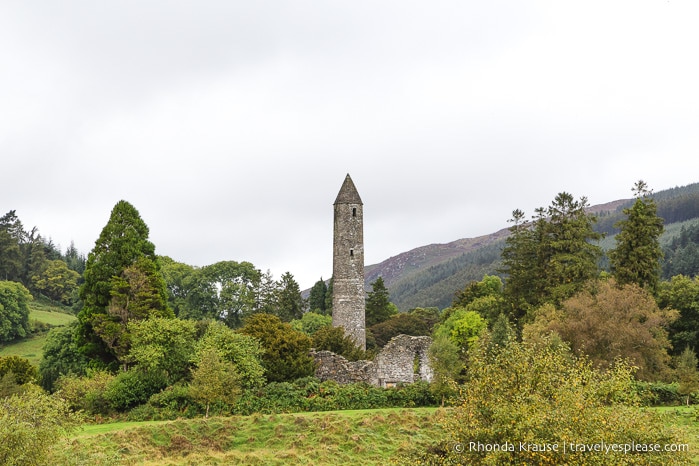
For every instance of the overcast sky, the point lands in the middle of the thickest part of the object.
(230, 125)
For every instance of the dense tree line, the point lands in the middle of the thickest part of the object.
(553, 286)
(681, 255)
(37, 263)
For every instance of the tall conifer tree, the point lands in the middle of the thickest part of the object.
(636, 258)
(122, 282)
(551, 258)
(379, 307)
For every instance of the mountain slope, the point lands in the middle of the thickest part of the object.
(428, 276)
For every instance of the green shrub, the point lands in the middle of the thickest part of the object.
(175, 397)
(333, 339)
(171, 403)
(662, 394)
(286, 354)
(23, 370)
(303, 395)
(30, 424)
(85, 393)
(37, 326)
(543, 395)
(132, 388)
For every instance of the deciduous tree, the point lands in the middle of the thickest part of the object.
(606, 322)
(163, 345)
(214, 380)
(243, 351)
(57, 281)
(61, 356)
(682, 294)
(463, 328)
(14, 311)
(226, 291)
(31, 424)
(311, 322)
(687, 373)
(543, 395)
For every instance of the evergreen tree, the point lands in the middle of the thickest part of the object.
(329, 298)
(316, 298)
(378, 306)
(289, 303)
(74, 259)
(636, 258)
(10, 255)
(520, 264)
(35, 262)
(572, 257)
(552, 258)
(121, 266)
(266, 293)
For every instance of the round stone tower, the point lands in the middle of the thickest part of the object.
(348, 263)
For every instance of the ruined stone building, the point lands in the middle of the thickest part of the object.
(348, 263)
(404, 358)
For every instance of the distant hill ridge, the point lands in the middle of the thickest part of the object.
(428, 276)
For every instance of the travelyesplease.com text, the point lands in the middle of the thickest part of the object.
(570, 447)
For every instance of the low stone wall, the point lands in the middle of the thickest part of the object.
(403, 360)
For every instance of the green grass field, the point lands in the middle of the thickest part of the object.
(31, 348)
(53, 318)
(367, 437)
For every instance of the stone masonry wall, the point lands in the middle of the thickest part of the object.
(396, 363)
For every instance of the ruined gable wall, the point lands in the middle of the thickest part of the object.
(394, 364)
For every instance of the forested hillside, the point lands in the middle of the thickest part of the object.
(429, 276)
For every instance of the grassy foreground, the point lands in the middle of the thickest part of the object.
(366, 437)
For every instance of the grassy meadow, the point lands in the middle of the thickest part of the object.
(31, 348)
(366, 437)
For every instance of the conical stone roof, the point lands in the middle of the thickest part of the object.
(348, 193)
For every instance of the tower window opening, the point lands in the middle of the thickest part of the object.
(351, 252)
(354, 211)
